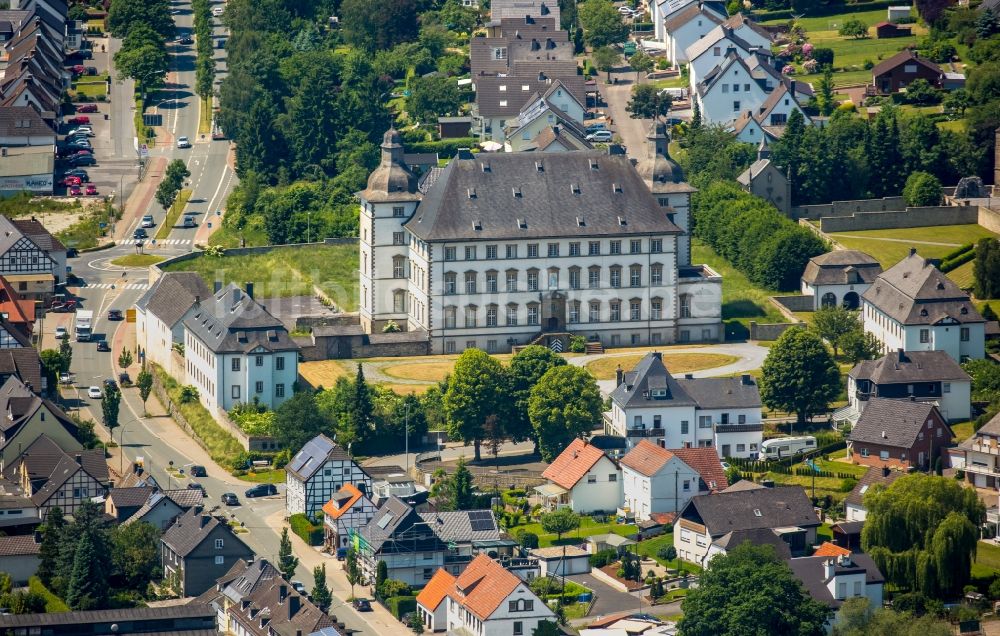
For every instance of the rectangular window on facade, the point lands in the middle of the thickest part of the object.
(470, 252)
(398, 238)
(656, 309)
(449, 318)
(449, 283)
(491, 252)
(236, 364)
(635, 246)
(532, 281)
(591, 479)
(532, 315)
(656, 246)
(684, 427)
(594, 248)
(616, 311)
(574, 249)
(634, 310)
(470, 283)
(449, 347)
(533, 250)
(616, 247)
(553, 250)
(491, 317)
(512, 315)
(518, 628)
(259, 361)
(491, 346)
(511, 281)
(258, 386)
(656, 275)
(925, 335)
(491, 283)
(220, 560)
(574, 312)
(595, 312)
(946, 387)
(704, 421)
(635, 275)
(236, 392)
(398, 211)
(470, 317)
(574, 279)
(398, 267)
(594, 278)
(512, 251)
(449, 253)
(279, 363)
(219, 544)
(279, 390)
(963, 334)
(616, 277)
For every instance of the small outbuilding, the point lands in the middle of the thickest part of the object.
(884, 30)
(551, 561)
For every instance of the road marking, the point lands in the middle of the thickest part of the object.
(211, 203)
(118, 286)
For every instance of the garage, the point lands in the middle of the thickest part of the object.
(551, 562)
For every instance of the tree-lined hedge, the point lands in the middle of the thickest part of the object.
(306, 529)
(771, 249)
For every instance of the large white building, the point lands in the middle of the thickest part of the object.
(649, 403)
(497, 250)
(236, 352)
(914, 307)
(317, 472)
(160, 314)
(838, 278)
(687, 26)
(487, 600)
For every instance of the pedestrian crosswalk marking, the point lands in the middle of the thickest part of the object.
(119, 286)
(173, 241)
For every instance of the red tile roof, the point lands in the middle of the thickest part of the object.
(436, 589)
(336, 512)
(828, 549)
(573, 463)
(706, 463)
(483, 586)
(19, 312)
(647, 458)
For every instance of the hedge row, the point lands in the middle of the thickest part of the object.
(305, 529)
(819, 11)
(446, 148)
(399, 606)
(958, 257)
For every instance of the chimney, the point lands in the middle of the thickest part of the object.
(282, 593)
(746, 379)
(38, 536)
(913, 251)
(689, 376)
(197, 299)
(294, 603)
(79, 458)
(913, 398)
(657, 355)
(828, 567)
(619, 376)
(791, 88)
(250, 290)
(217, 287)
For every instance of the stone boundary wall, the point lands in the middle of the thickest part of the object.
(769, 331)
(989, 219)
(910, 217)
(846, 208)
(795, 303)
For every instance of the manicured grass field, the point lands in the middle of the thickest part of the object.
(323, 373)
(287, 271)
(173, 215)
(604, 368)
(228, 237)
(987, 561)
(276, 476)
(742, 301)
(588, 528)
(651, 547)
(137, 260)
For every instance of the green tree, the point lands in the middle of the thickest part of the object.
(853, 28)
(145, 383)
(475, 392)
(65, 354)
(147, 64)
(287, 562)
(433, 96)
(824, 96)
(641, 63)
(125, 15)
(88, 580)
(416, 623)
(354, 568)
(856, 617)
(373, 30)
(799, 375)
(922, 531)
(110, 406)
(136, 555)
(986, 269)
(565, 404)
(559, 522)
(547, 628)
(298, 420)
(321, 596)
(751, 577)
(605, 57)
(860, 345)
(461, 487)
(49, 550)
(125, 359)
(833, 323)
(602, 24)
(362, 409)
(51, 363)
(957, 102)
(648, 102)
(526, 368)
(922, 189)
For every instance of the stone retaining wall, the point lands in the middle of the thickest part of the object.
(910, 217)
(795, 303)
(769, 331)
(989, 219)
(846, 208)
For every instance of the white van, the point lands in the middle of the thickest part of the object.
(780, 447)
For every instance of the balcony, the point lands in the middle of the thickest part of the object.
(982, 469)
(644, 432)
(738, 428)
(985, 445)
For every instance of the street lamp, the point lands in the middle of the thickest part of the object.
(309, 215)
(121, 451)
(406, 435)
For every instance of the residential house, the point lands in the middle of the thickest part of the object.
(501, 98)
(711, 51)
(188, 619)
(18, 314)
(242, 579)
(18, 514)
(899, 71)
(561, 560)
(978, 456)
(161, 509)
(749, 130)
(559, 225)
(160, 315)
(399, 485)
(31, 259)
(723, 413)
(505, 9)
(732, 87)
(873, 479)
(19, 557)
(928, 376)
(756, 536)
(557, 138)
(432, 605)
(833, 580)
(318, 471)
(685, 27)
(885, 30)
(838, 278)
(788, 95)
(914, 307)
(785, 510)
(583, 478)
(467, 533)
(661, 12)
(488, 600)
(28, 417)
(900, 434)
(557, 107)
(199, 548)
(52, 477)
(454, 127)
(122, 503)
(235, 352)
(274, 608)
(768, 181)
(657, 480)
(25, 165)
(347, 510)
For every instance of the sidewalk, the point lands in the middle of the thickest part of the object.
(138, 202)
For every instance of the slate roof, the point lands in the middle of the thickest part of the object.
(903, 57)
(245, 577)
(291, 614)
(456, 526)
(500, 9)
(739, 19)
(154, 500)
(573, 463)
(781, 506)
(232, 322)
(650, 372)
(907, 367)
(22, 362)
(892, 422)
(811, 571)
(109, 616)
(23, 121)
(723, 393)
(192, 528)
(313, 455)
(133, 497)
(436, 589)
(713, 37)
(991, 427)
(755, 169)
(515, 95)
(564, 136)
(915, 292)
(833, 268)
(483, 586)
(22, 545)
(744, 485)
(873, 477)
(391, 520)
(756, 536)
(49, 467)
(173, 294)
(784, 88)
(499, 190)
(685, 15)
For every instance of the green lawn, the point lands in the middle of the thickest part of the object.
(962, 431)
(170, 220)
(137, 260)
(287, 271)
(588, 528)
(742, 301)
(230, 237)
(651, 548)
(987, 561)
(276, 476)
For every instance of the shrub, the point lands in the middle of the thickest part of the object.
(528, 540)
(577, 344)
(446, 148)
(188, 394)
(603, 557)
(52, 602)
(823, 56)
(847, 484)
(922, 189)
(305, 529)
(393, 587)
(282, 457)
(402, 604)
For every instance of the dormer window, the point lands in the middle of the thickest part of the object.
(503, 88)
(477, 226)
(485, 165)
(659, 394)
(539, 167)
(516, 192)
(574, 188)
(593, 165)
(616, 188)
(622, 221)
(581, 222)
(522, 224)
(472, 193)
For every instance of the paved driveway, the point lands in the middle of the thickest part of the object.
(609, 600)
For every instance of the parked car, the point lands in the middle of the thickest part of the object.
(109, 384)
(72, 181)
(72, 252)
(600, 135)
(217, 11)
(77, 69)
(65, 378)
(115, 314)
(124, 379)
(102, 345)
(198, 471)
(196, 486)
(140, 233)
(61, 333)
(82, 160)
(82, 54)
(189, 221)
(185, 39)
(91, 70)
(95, 393)
(148, 221)
(91, 190)
(88, 130)
(592, 128)
(86, 108)
(75, 191)
(261, 490)
(183, 142)
(299, 587)
(79, 119)
(362, 605)
(230, 499)
(78, 173)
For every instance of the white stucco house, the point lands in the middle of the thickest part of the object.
(236, 352)
(687, 26)
(914, 307)
(317, 472)
(721, 413)
(487, 600)
(160, 314)
(584, 478)
(710, 51)
(731, 88)
(662, 11)
(658, 480)
(833, 580)
(875, 478)
(838, 278)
